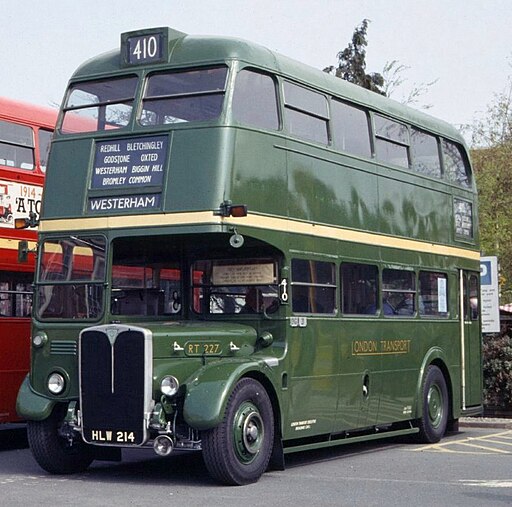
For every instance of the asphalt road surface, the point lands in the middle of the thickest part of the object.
(469, 468)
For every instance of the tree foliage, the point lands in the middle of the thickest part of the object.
(352, 63)
(492, 161)
(394, 81)
(352, 67)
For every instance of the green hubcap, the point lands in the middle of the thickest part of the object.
(435, 405)
(248, 432)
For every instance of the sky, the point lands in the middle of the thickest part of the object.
(463, 45)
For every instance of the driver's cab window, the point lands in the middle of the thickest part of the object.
(234, 286)
(146, 290)
(146, 279)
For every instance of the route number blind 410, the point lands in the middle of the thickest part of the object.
(145, 49)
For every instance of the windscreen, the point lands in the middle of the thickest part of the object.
(71, 276)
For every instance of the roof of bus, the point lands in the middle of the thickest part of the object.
(191, 50)
(16, 110)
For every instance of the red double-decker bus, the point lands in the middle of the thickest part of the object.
(25, 135)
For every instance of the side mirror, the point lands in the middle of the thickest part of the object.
(23, 251)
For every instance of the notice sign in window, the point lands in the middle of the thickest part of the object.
(132, 165)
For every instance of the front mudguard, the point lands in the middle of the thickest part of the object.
(209, 389)
(32, 406)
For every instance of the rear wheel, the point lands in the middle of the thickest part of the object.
(433, 422)
(238, 450)
(52, 451)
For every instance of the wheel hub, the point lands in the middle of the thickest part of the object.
(248, 432)
(435, 406)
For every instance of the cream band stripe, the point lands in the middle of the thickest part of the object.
(253, 220)
(12, 244)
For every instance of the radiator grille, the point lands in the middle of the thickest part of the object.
(114, 379)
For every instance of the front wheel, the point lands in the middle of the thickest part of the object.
(52, 451)
(433, 422)
(238, 450)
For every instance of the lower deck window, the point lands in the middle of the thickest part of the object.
(398, 292)
(313, 287)
(234, 286)
(15, 294)
(433, 296)
(359, 288)
(146, 289)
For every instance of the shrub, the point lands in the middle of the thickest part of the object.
(497, 365)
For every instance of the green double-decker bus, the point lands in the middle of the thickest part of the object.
(243, 255)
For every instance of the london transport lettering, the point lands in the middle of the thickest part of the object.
(126, 164)
(380, 347)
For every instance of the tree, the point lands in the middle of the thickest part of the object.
(352, 63)
(394, 80)
(492, 160)
(352, 67)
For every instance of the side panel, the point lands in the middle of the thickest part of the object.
(313, 380)
(14, 363)
(359, 381)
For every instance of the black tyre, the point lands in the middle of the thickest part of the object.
(238, 450)
(53, 452)
(432, 424)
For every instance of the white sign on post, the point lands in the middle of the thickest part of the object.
(489, 295)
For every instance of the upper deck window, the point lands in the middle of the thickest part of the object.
(255, 101)
(425, 154)
(16, 145)
(306, 113)
(99, 105)
(177, 97)
(45, 138)
(350, 129)
(391, 141)
(455, 168)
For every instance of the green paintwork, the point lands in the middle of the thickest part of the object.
(208, 391)
(313, 376)
(30, 405)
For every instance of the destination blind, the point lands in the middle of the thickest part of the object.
(131, 164)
